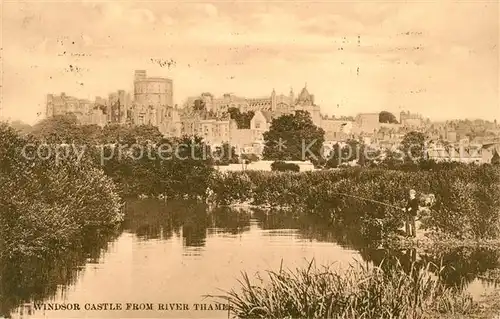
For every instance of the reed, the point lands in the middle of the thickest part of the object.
(360, 291)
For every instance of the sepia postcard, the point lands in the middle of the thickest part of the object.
(249, 159)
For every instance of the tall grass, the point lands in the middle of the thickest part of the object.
(359, 291)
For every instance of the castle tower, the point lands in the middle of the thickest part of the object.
(155, 92)
(292, 97)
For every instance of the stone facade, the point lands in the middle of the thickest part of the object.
(408, 119)
(366, 123)
(153, 102)
(276, 104)
(85, 111)
(336, 129)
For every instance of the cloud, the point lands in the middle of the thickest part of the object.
(211, 10)
(263, 45)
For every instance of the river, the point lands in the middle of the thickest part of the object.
(171, 255)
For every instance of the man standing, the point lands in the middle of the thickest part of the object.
(411, 214)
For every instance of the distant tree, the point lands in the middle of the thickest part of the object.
(387, 117)
(251, 157)
(495, 160)
(225, 155)
(242, 119)
(413, 146)
(353, 150)
(392, 159)
(335, 157)
(92, 133)
(146, 133)
(58, 129)
(20, 127)
(281, 166)
(199, 104)
(128, 135)
(116, 133)
(293, 137)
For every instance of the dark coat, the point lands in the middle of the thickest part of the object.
(412, 207)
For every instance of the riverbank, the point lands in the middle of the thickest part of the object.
(467, 197)
(357, 292)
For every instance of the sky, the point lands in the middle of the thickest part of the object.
(437, 58)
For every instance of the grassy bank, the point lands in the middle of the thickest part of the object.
(357, 292)
(467, 197)
(47, 208)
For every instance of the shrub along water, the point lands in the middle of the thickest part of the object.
(358, 292)
(467, 197)
(182, 170)
(47, 208)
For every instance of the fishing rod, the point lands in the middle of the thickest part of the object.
(369, 200)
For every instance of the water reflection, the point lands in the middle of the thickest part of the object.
(153, 219)
(457, 267)
(33, 280)
(199, 228)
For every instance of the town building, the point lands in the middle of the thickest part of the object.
(63, 104)
(85, 111)
(276, 104)
(336, 129)
(367, 123)
(454, 153)
(408, 119)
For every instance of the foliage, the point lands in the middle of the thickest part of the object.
(357, 292)
(199, 105)
(65, 129)
(337, 156)
(137, 158)
(20, 127)
(467, 197)
(129, 135)
(180, 167)
(293, 137)
(225, 155)
(58, 129)
(412, 145)
(242, 118)
(250, 157)
(281, 166)
(352, 150)
(387, 117)
(47, 207)
(230, 187)
(495, 159)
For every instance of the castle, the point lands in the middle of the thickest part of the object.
(151, 102)
(277, 105)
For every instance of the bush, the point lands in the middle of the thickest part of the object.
(284, 167)
(46, 208)
(174, 175)
(467, 197)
